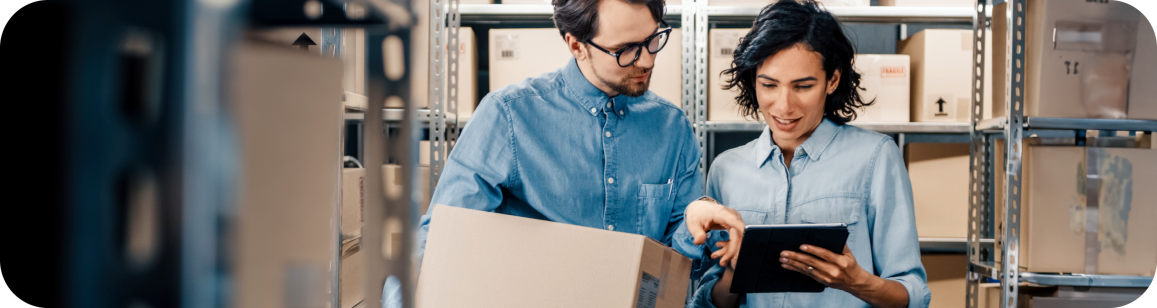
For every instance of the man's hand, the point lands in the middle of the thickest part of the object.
(702, 216)
(837, 271)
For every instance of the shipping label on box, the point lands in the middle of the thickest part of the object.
(468, 263)
(885, 79)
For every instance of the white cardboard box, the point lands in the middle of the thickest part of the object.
(928, 3)
(762, 3)
(942, 75)
(518, 54)
(885, 79)
(721, 104)
(1077, 62)
(468, 263)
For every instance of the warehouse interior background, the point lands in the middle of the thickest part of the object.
(278, 153)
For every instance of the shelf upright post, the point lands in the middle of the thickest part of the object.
(977, 171)
(699, 10)
(437, 89)
(453, 24)
(1013, 131)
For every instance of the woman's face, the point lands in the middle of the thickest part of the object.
(790, 87)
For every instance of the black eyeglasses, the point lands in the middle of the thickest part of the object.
(654, 44)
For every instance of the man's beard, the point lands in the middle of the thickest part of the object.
(626, 86)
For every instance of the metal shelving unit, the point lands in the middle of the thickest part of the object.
(889, 14)
(1014, 127)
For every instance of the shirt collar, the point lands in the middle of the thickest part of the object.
(589, 97)
(812, 148)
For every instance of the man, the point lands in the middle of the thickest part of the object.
(588, 144)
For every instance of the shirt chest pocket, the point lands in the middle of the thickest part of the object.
(845, 210)
(654, 210)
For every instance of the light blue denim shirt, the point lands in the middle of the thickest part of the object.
(841, 174)
(556, 148)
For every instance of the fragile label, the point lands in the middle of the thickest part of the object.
(648, 291)
(892, 71)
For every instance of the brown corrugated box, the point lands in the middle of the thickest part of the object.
(1077, 58)
(946, 279)
(352, 287)
(287, 197)
(518, 54)
(353, 201)
(942, 75)
(1052, 233)
(721, 104)
(483, 259)
(939, 174)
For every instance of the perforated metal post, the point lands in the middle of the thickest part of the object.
(437, 89)
(700, 11)
(1013, 135)
(454, 24)
(688, 57)
(977, 171)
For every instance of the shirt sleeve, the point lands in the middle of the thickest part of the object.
(895, 245)
(702, 296)
(689, 188)
(482, 163)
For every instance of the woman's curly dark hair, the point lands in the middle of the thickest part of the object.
(781, 26)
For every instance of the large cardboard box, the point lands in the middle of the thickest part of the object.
(721, 104)
(885, 79)
(518, 54)
(928, 3)
(353, 201)
(1055, 205)
(762, 3)
(946, 279)
(469, 262)
(288, 195)
(939, 174)
(1078, 58)
(1038, 296)
(1142, 93)
(942, 75)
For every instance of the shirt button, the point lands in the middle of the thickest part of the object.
(592, 110)
(611, 227)
(608, 134)
(610, 180)
(620, 112)
(608, 105)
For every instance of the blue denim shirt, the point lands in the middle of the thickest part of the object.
(841, 174)
(556, 148)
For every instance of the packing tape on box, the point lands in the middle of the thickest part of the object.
(1092, 192)
(663, 270)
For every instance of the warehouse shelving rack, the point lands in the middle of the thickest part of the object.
(1013, 127)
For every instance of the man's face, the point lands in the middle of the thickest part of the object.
(622, 24)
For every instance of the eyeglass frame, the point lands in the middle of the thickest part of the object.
(641, 45)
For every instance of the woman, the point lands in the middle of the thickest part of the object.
(795, 71)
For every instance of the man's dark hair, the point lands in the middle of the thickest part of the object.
(782, 25)
(581, 17)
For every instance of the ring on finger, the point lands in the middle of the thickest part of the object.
(809, 270)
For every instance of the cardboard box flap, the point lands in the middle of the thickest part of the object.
(482, 259)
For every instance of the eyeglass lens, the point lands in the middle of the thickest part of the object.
(629, 55)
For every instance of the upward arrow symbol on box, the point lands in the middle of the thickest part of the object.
(304, 41)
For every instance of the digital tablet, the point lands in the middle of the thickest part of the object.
(758, 269)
